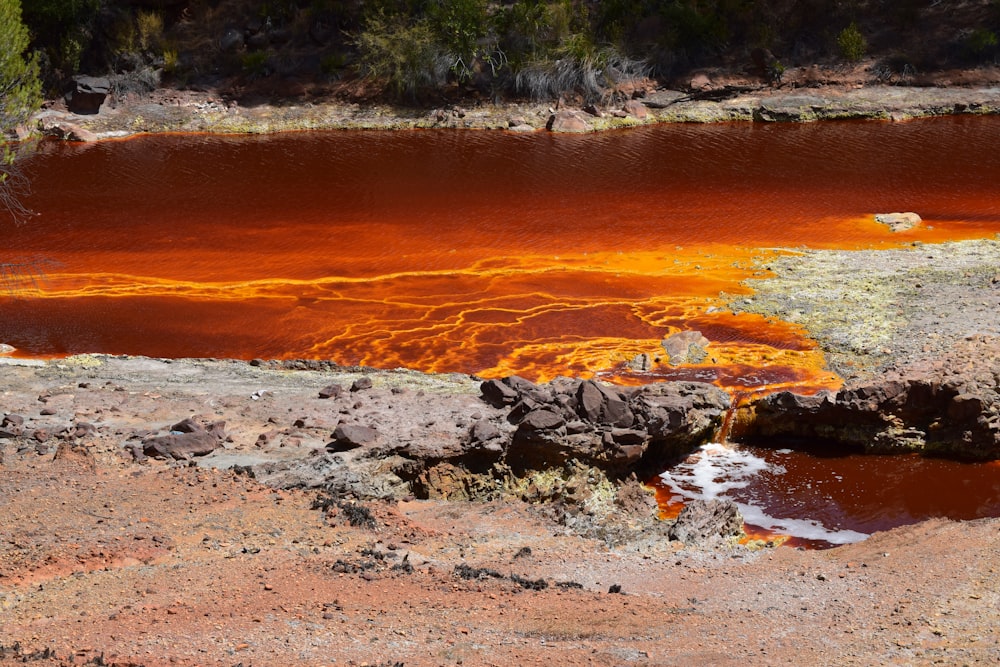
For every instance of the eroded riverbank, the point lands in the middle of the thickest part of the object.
(205, 112)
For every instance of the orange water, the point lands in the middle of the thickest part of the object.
(488, 253)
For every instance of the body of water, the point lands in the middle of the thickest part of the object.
(488, 253)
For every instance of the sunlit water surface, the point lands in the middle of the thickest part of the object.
(477, 252)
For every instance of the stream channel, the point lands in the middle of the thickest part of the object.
(497, 253)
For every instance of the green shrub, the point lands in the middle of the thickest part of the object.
(852, 43)
(982, 42)
(170, 60)
(332, 63)
(254, 63)
(150, 29)
(407, 58)
(461, 27)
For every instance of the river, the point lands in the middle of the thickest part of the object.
(476, 252)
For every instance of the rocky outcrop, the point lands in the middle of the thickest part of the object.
(88, 94)
(186, 439)
(704, 521)
(519, 431)
(947, 406)
(617, 430)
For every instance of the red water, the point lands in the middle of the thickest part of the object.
(488, 253)
(817, 494)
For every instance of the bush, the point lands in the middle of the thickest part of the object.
(594, 75)
(254, 63)
(982, 43)
(406, 58)
(852, 43)
(150, 26)
(461, 27)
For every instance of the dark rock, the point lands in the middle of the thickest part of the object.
(520, 409)
(626, 436)
(12, 420)
(187, 426)
(519, 384)
(484, 431)
(81, 430)
(361, 384)
(600, 405)
(181, 444)
(498, 394)
(88, 94)
(12, 426)
(331, 391)
(703, 521)
(541, 420)
(352, 436)
(925, 407)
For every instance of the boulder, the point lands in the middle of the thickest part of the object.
(600, 405)
(183, 445)
(636, 109)
(498, 393)
(706, 521)
(87, 94)
(685, 347)
(926, 407)
(567, 120)
(331, 391)
(898, 222)
(361, 384)
(352, 436)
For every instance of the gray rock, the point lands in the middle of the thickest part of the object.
(705, 521)
(685, 347)
(361, 384)
(898, 222)
(181, 446)
(352, 436)
(331, 391)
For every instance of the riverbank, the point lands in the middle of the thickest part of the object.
(167, 562)
(726, 100)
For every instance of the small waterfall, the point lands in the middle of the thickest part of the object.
(725, 430)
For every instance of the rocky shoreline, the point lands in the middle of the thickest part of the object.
(914, 331)
(195, 112)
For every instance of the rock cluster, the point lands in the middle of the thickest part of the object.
(948, 405)
(618, 430)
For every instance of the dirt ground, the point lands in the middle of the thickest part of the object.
(110, 561)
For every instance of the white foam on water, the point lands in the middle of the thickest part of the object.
(715, 469)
